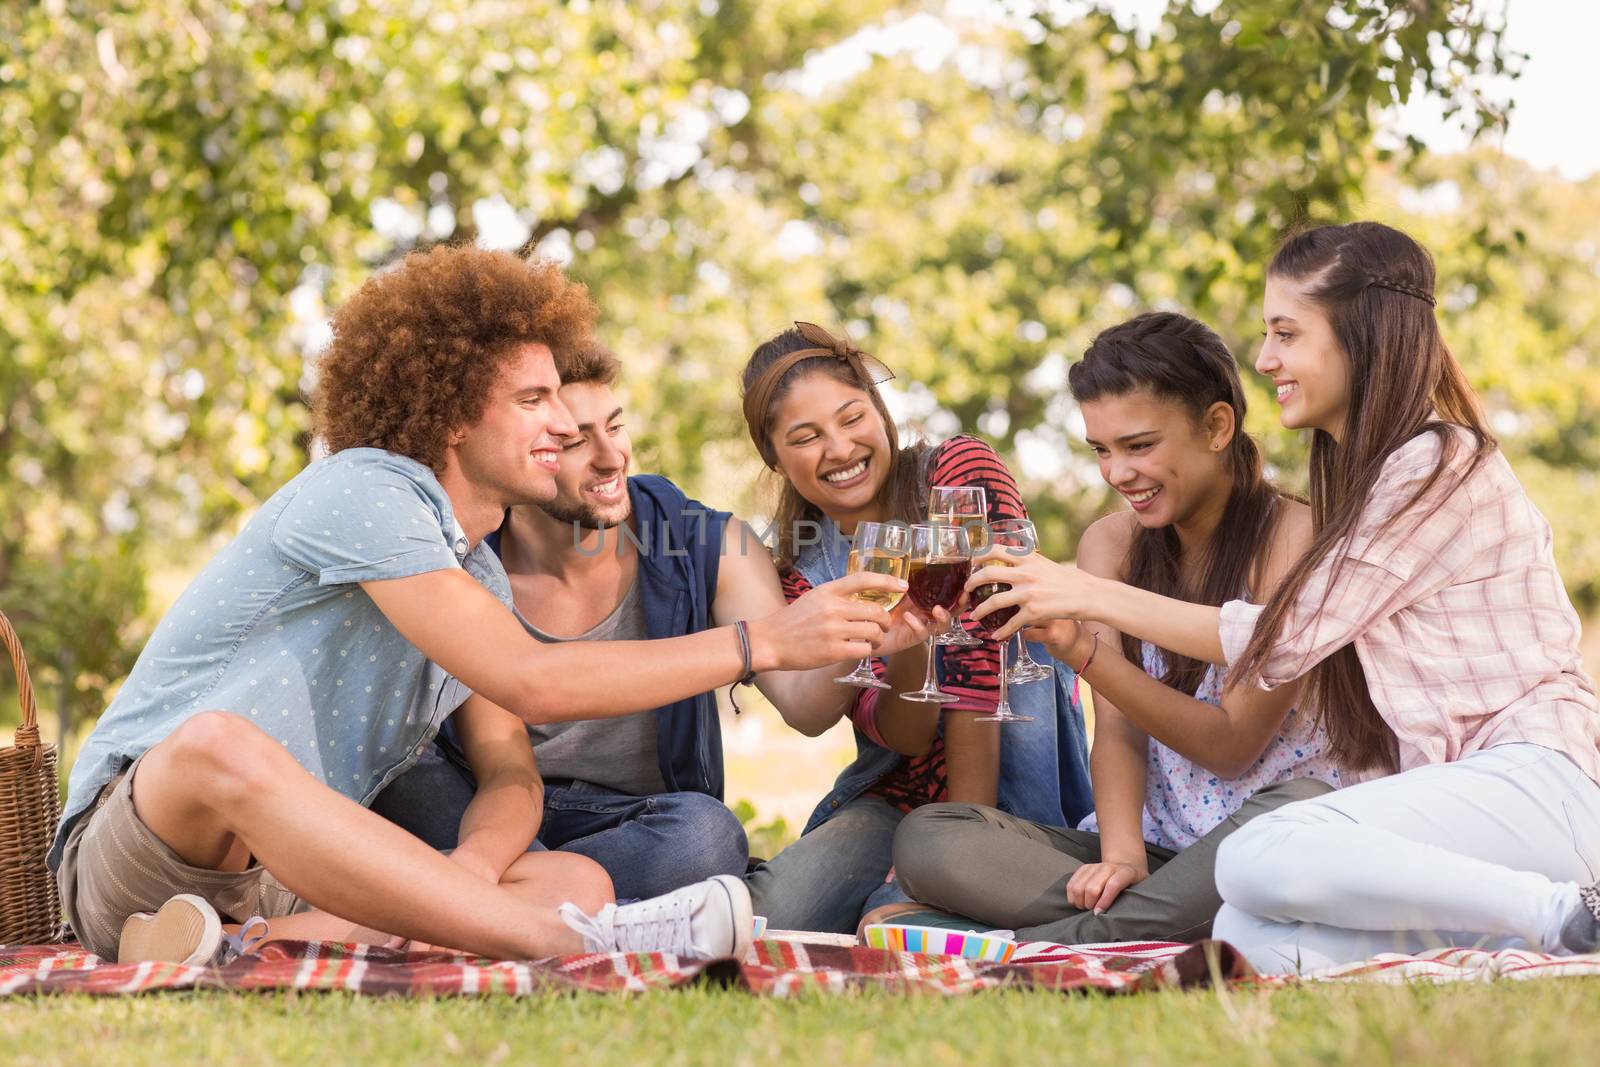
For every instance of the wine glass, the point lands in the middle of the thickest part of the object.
(1017, 537)
(941, 561)
(1026, 669)
(878, 548)
(965, 506)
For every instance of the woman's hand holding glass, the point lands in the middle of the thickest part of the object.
(1040, 589)
(910, 627)
(1065, 639)
(1014, 537)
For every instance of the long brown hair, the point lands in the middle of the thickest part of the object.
(904, 491)
(1375, 284)
(1184, 361)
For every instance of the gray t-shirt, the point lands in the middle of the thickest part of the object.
(617, 753)
(277, 630)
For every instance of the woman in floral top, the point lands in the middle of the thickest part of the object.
(1177, 764)
(1433, 629)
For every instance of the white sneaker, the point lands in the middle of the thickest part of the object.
(709, 920)
(186, 930)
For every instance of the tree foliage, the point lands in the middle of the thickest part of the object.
(974, 189)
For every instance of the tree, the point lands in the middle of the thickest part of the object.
(189, 182)
(196, 182)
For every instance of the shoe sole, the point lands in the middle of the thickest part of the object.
(743, 915)
(185, 930)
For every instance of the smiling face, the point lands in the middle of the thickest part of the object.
(511, 454)
(1171, 469)
(1309, 370)
(831, 444)
(592, 484)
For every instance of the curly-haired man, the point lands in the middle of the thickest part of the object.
(314, 657)
(617, 556)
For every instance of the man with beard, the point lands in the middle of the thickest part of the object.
(620, 558)
(222, 797)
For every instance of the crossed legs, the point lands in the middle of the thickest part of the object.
(219, 791)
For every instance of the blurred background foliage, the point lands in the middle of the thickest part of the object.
(973, 188)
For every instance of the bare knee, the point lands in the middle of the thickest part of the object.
(222, 757)
(555, 878)
(587, 883)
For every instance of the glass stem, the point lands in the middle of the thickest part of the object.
(1004, 707)
(927, 679)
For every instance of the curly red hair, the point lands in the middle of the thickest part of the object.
(418, 348)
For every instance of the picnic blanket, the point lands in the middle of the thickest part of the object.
(774, 967)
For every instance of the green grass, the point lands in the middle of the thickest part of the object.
(1551, 1022)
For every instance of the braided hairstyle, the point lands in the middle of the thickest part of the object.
(1183, 361)
(1396, 285)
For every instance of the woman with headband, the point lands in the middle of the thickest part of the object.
(817, 419)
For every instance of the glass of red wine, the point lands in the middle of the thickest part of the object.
(1018, 538)
(965, 506)
(941, 560)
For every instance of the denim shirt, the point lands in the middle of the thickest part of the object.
(277, 630)
(1044, 764)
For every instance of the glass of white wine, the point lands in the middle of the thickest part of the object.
(878, 548)
(966, 506)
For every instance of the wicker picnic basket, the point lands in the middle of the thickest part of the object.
(30, 910)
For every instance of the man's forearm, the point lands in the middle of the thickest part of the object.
(601, 679)
(500, 822)
(809, 701)
(459, 625)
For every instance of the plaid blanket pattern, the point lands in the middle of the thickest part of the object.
(1461, 965)
(776, 968)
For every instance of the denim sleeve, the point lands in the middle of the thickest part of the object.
(366, 519)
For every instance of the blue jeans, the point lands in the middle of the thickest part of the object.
(648, 845)
(834, 874)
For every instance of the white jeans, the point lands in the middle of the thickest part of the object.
(1487, 851)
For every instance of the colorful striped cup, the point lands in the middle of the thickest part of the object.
(934, 941)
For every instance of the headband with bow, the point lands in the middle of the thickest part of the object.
(868, 370)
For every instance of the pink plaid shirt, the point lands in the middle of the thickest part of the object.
(1462, 625)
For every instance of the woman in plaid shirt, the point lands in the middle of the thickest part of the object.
(1432, 628)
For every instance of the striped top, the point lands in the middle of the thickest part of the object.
(970, 674)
